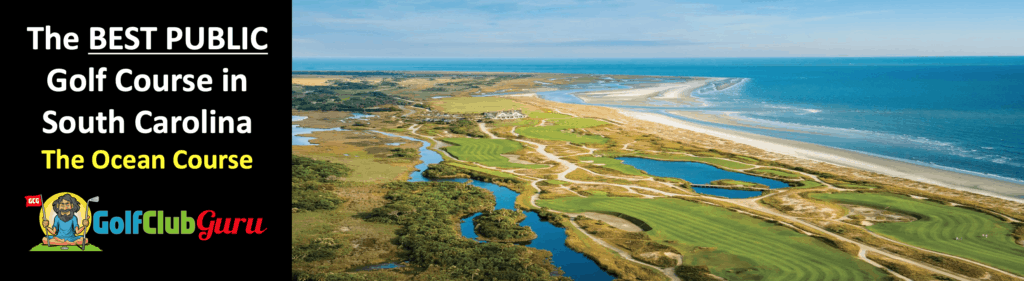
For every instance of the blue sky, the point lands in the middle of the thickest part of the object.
(656, 29)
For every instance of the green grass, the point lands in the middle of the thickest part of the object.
(713, 161)
(555, 131)
(776, 173)
(487, 152)
(669, 179)
(596, 193)
(736, 182)
(614, 164)
(71, 248)
(940, 226)
(742, 247)
(807, 184)
(482, 170)
(556, 182)
(747, 159)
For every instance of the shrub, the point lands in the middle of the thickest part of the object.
(312, 183)
(694, 273)
(323, 248)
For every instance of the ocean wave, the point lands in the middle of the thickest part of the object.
(711, 89)
(946, 147)
(937, 166)
(793, 109)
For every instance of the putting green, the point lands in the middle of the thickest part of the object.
(487, 152)
(72, 248)
(739, 247)
(939, 226)
(556, 131)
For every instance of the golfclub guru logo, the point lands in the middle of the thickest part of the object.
(66, 218)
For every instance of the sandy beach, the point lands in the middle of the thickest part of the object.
(846, 158)
(673, 93)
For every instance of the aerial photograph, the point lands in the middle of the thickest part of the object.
(657, 140)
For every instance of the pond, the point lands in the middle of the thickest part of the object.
(386, 265)
(549, 237)
(700, 173)
(362, 116)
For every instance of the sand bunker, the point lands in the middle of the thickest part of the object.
(614, 221)
(875, 215)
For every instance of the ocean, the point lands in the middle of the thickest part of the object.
(962, 114)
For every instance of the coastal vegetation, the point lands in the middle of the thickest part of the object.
(775, 173)
(466, 127)
(737, 183)
(475, 104)
(502, 225)
(326, 98)
(313, 183)
(328, 233)
(712, 161)
(938, 226)
(428, 213)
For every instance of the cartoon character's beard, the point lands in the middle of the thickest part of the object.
(63, 217)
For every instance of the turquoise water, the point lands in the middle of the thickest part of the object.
(955, 113)
(387, 265)
(694, 172)
(700, 173)
(549, 237)
(727, 193)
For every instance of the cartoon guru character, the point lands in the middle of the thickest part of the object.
(65, 223)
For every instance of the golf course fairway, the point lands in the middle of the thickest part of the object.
(736, 246)
(556, 131)
(939, 225)
(487, 152)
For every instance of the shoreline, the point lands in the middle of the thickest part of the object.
(846, 158)
(675, 93)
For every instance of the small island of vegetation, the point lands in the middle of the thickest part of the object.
(502, 225)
